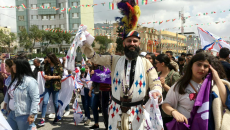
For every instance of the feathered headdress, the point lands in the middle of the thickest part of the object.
(131, 13)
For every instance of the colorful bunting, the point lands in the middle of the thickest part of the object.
(144, 2)
(68, 10)
(111, 5)
(62, 10)
(23, 6)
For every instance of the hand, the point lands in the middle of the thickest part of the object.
(162, 81)
(215, 75)
(78, 90)
(48, 77)
(30, 119)
(157, 94)
(179, 117)
(90, 93)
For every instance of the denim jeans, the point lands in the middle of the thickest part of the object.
(83, 103)
(20, 122)
(105, 98)
(94, 105)
(87, 102)
(48, 91)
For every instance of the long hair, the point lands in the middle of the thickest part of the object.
(53, 58)
(22, 69)
(164, 58)
(184, 81)
(153, 57)
(9, 63)
(216, 64)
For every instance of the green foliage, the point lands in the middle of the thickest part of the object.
(119, 41)
(103, 41)
(7, 39)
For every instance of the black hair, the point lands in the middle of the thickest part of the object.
(224, 52)
(164, 58)
(171, 53)
(152, 56)
(199, 50)
(22, 69)
(183, 54)
(189, 54)
(181, 59)
(184, 81)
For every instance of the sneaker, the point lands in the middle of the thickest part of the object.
(94, 127)
(41, 123)
(85, 119)
(87, 122)
(55, 120)
(51, 116)
(66, 113)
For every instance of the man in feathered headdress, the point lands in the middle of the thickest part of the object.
(131, 75)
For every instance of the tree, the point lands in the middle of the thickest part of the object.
(6, 40)
(119, 41)
(35, 35)
(24, 40)
(50, 37)
(63, 37)
(103, 41)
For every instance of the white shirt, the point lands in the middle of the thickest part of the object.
(182, 103)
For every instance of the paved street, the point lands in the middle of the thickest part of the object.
(67, 123)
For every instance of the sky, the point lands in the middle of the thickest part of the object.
(155, 11)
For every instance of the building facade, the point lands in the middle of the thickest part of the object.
(44, 14)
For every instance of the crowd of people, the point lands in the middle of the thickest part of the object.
(176, 81)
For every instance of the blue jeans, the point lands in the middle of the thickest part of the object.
(83, 103)
(20, 122)
(48, 91)
(87, 102)
(105, 98)
(94, 106)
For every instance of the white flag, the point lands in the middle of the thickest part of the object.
(210, 41)
(82, 35)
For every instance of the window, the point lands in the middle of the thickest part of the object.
(61, 5)
(21, 27)
(45, 17)
(74, 15)
(21, 18)
(44, 27)
(46, 5)
(52, 26)
(52, 17)
(74, 4)
(62, 26)
(61, 16)
(34, 6)
(34, 17)
(75, 26)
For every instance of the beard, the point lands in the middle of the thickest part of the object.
(131, 54)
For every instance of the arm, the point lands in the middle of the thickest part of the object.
(104, 60)
(34, 95)
(175, 78)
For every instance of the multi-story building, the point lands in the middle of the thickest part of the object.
(44, 14)
(170, 41)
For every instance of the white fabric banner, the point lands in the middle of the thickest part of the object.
(210, 41)
(78, 116)
(4, 125)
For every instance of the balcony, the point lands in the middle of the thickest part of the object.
(168, 41)
(46, 11)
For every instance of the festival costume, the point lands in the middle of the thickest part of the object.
(145, 77)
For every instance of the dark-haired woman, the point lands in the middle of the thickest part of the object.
(22, 97)
(53, 75)
(168, 76)
(9, 69)
(179, 100)
(151, 57)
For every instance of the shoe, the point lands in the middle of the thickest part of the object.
(87, 122)
(41, 123)
(85, 119)
(66, 113)
(51, 116)
(94, 127)
(55, 120)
